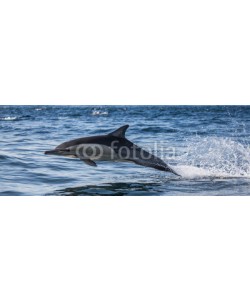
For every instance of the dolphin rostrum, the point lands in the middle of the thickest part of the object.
(111, 147)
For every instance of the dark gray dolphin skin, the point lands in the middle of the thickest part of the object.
(111, 147)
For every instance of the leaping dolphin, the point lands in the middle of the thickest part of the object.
(111, 147)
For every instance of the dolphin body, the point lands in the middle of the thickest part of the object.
(111, 147)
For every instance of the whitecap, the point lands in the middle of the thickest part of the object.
(8, 118)
(99, 113)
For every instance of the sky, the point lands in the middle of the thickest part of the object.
(138, 52)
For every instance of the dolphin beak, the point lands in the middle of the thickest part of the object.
(51, 152)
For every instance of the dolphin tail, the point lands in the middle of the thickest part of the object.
(161, 167)
(166, 169)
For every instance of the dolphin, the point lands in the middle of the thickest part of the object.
(110, 147)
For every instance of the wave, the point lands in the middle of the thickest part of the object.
(12, 118)
(3, 157)
(215, 157)
(156, 129)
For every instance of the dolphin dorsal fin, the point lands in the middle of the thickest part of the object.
(120, 132)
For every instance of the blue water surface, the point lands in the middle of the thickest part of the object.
(208, 145)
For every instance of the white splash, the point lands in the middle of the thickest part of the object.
(215, 157)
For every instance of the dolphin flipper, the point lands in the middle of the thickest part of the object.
(89, 162)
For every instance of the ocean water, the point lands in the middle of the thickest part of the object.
(209, 146)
